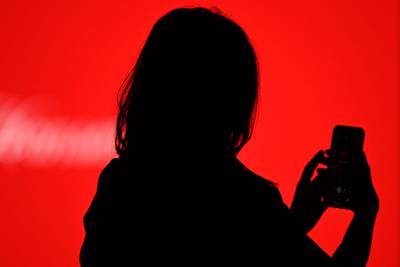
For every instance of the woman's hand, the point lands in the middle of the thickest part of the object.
(308, 205)
(356, 244)
(365, 200)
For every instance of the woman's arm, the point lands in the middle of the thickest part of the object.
(355, 247)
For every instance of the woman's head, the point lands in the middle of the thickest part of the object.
(193, 88)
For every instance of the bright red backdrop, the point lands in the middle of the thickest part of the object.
(322, 63)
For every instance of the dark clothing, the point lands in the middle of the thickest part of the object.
(189, 212)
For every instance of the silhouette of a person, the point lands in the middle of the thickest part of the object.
(177, 194)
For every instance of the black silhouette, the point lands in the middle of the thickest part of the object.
(177, 195)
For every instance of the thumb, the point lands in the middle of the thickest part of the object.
(310, 168)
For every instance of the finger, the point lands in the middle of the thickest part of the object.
(310, 168)
(363, 158)
(325, 160)
(360, 161)
(320, 183)
(322, 171)
(328, 152)
(327, 157)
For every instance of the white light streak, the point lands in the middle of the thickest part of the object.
(37, 140)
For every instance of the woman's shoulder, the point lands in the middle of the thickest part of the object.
(268, 192)
(113, 165)
(260, 182)
(111, 173)
(264, 188)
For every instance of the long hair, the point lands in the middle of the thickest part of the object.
(194, 85)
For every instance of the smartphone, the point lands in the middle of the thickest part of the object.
(346, 145)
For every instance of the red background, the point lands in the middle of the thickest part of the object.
(322, 63)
